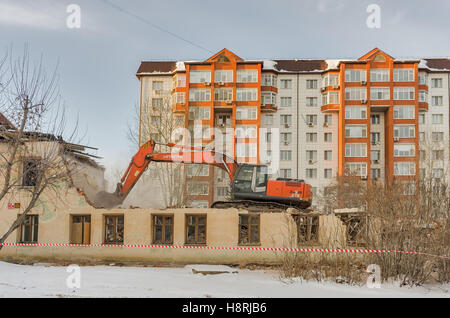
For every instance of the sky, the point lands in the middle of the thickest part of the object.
(97, 62)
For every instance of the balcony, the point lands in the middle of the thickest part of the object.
(179, 108)
(269, 108)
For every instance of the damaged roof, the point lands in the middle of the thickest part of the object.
(8, 132)
(5, 124)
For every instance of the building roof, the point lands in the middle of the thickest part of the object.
(288, 66)
(438, 64)
(156, 67)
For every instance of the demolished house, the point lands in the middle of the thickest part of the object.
(65, 226)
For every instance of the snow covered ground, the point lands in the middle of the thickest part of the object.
(112, 281)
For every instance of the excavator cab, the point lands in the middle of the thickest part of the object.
(250, 182)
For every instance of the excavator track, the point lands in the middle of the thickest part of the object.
(256, 206)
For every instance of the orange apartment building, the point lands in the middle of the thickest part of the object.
(368, 116)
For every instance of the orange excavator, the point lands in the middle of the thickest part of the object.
(250, 184)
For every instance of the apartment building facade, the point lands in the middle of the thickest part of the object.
(376, 117)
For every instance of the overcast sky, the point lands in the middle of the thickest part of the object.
(98, 62)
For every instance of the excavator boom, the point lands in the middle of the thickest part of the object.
(194, 155)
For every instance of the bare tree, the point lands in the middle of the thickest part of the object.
(34, 160)
(157, 121)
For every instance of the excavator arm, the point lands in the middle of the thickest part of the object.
(195, 155)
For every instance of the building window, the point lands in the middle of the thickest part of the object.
(285, 83)
(404, 150)
(268, 98)
(311, 120)
(114, 229)
(81, 229)
(355, 93)
(404, 168)
(223, 94)
(328, 137)
(404, 131)
(31, 172)
(285, 173)
(379, 75)
(404, 93)
(355, 131)
(311, 84)
(199, 113)
(437, 118)
(328, 155)
(328, 173)
(375, 155)
(423, 78)
(286, 101)
(403, 75)
(157, 85)
(199, 76)
(247, 76)
(356, 169)
(375, 119)
(404, 112)
(249, 225)
(355, 75)
(311, 173)
(199, 95)
(246, 150)
(268, 80)
(355, 150)
(180, 98)
(355, 112)
(197, 188)
(194, 170)
(196, 229)
(380, 93)
(375, 138)
(225, 76)
(311, 155)
(311, 101)
(328, 119)
(157, 103)
(421, 119)
(247, 94)
(246, 131)
(285, 119)
(375, 173)
(437, 101)
(437, 136)
(180, 80)
(436, 82)
(311, 137)
(162, 229)
(423, 96)
(286, 137)
(285, 155)
(246, 113)
(438, 154)
(29, 229)
(307, 228)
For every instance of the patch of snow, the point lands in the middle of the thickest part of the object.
(110, 281)
(181, 67)
(269, 65)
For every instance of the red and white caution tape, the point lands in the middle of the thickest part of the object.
(239, 248)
